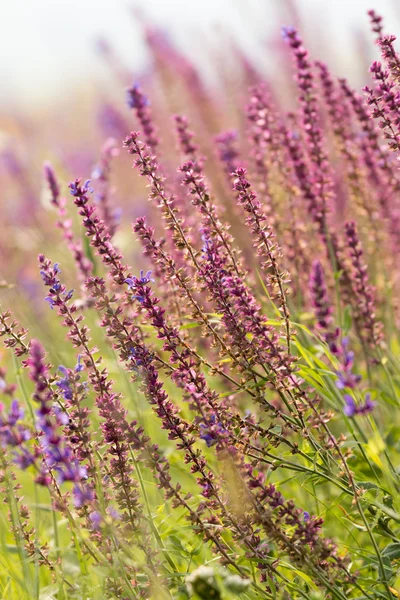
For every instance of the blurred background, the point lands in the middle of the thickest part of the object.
(65, 66)
(49, 49)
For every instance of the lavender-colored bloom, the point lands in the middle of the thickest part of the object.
(57, 454)
(352, 409)
(211, 431)
(131, 281)
(227, 150)
(74, 189)
(376, 22)
(96, 519)
(79, 366)
(111, 121)
(23, 458)
(52, 183)
(363, 291)
(385, 103)
(139, 102)
(83, 495)
(135, 355)
(390, 55)
(144, 279)
(16, 413)
(287, 32)
(50, 301)
(135, 97)
(64, 383)
(323, 308)
(346, 379)
(12, 432)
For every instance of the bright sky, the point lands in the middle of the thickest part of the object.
(48, 45)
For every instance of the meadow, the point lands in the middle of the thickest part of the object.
(199, 323)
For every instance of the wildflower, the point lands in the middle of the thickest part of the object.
(142, 279)
(211, 431)
(74, 188)
(376, 22)
(352, 409)
(363, 291)
(52, 183)
(185, 136)
(315, 180)
(287, 32)
(140, 103)
(83, 495)
(54, 446)
(65, 384)
(227, 151)
(96, 519)
(135, 98)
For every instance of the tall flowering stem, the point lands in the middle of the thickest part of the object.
(59, 455)
(148, 168)
(190, 151)
(119, 435)
(344, 134)
(262, 135)
(385, 104)
(98, 231)
(186, 375)
(227, 151)
(212, 225)
(380, 167)
(214, 433)
(390, 56)
(376, 155)
(134, 352)
(187, 290)
(186, 139)
(322, 306)
(264, 242)
(102, 173)
(321, 175)
(305, 180)
(372, 332)
(346, 379)
(376, 23)
(13, 333)
(83, 264)
(140, 103)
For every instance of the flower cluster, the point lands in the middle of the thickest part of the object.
(230, 397)
(338, 345)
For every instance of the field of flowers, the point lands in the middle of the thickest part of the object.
(199, 361)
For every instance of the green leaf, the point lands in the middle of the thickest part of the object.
(387, 572)
(368, 485)
(306, 578)
(392, 551)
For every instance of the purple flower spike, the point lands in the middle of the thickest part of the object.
(83, 495)
(287, 32)
(351, 409)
